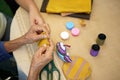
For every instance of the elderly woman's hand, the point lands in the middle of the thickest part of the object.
(35, 34)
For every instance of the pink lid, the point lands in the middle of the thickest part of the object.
(75, 31)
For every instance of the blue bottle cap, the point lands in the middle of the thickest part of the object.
(69, 25)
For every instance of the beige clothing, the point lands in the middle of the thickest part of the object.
(3, 23)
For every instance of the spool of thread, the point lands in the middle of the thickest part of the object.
(101, 39)
(94, 50)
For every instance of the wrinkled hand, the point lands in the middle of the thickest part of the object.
(43, 56)
(35, 34)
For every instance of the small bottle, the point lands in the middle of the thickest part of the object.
(94, 50)
(101, 39)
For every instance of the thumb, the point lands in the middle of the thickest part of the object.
(42, 36)
(42, 49)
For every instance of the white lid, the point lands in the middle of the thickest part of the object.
(64, 35)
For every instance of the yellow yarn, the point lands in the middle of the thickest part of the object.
(75, 6)
(43, 42)
(79, 69)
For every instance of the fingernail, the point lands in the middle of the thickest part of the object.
(45, 36)
(44, 45)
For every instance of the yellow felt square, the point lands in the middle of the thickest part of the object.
(75, 6)
(78, 69)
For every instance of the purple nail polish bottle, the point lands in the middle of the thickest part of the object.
(94, 50)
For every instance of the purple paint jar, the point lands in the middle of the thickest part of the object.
(101, 39)
(94, 50)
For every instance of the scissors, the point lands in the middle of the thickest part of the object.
(50, 71)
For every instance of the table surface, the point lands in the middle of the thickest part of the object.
(105, 18)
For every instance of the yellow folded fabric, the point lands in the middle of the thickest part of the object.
(75, 6)
(79, 69)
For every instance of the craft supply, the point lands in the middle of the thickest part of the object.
(61, 6)
(64, 35)
(66, 14)
(75, 15)
(62, 53)
(78, 69)
(43, 42)
(64, 58)
(50, 71)
(82, 23)
(69, 25)
(75, 31)
(101, 39)
(94, 50)
(61, 48)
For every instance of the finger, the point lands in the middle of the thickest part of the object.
(51, 43)
(47, 28)
(42, 36)
(38, 28)
(50, 48)
(42, 49)
(43, 29)
(42, 26)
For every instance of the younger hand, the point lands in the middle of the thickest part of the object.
(37, 19)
